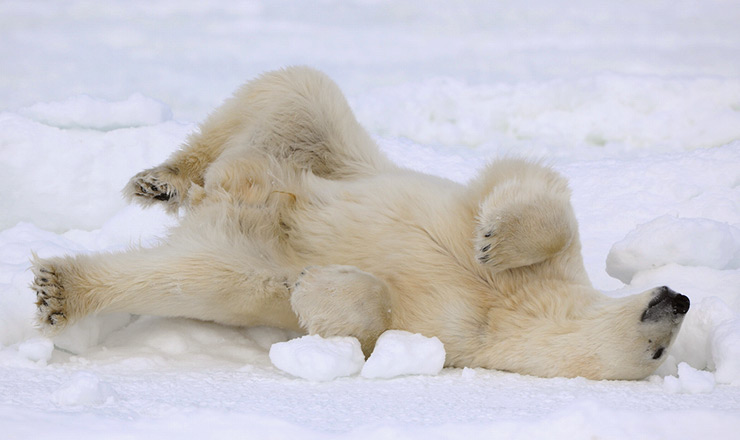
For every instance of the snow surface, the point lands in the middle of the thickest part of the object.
(83, 389)
(637, 103)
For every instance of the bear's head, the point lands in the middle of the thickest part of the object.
(644, 327)
(574, 330)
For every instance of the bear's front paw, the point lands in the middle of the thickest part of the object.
(51, 298)
(521, 234)
(489, 249)
(152, 186)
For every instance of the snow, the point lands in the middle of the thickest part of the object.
(396, 353)
(689, 380)
(726, 349)
(84, 111)
(637, 103)
(399, 353)
(36, 350)
(319, 359)
(574, 114)
(84, 389)
(715, 245)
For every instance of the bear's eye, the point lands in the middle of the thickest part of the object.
(658, 353)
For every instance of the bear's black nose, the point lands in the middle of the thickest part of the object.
(666, 302)
(681, 304)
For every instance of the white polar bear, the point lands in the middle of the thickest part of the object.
(295, 219)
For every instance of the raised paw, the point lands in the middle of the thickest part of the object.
(50, 297)
(152, 186)
(147, 185)
(489, 249)
(485, 245)
(524, 234)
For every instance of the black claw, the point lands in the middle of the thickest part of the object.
(485, 248)
(488, 234)
(44, 270)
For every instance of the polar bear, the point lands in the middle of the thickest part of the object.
(294, 218)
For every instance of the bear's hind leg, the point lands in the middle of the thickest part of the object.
(342, 301)
(164, 281)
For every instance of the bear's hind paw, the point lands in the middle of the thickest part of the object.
(51, 300)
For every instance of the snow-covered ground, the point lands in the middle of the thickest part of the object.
(636, 102)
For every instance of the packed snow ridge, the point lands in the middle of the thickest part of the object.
(87, 112)
(716, 245)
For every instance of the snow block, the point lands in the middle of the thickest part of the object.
(400, 353)
(319, 359)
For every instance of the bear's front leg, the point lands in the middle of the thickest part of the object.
(342, 301)
(518, 226)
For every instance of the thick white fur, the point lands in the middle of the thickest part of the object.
(295, 219)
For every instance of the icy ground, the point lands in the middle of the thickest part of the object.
(636, 102)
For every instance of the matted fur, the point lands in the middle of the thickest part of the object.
(294, 218)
